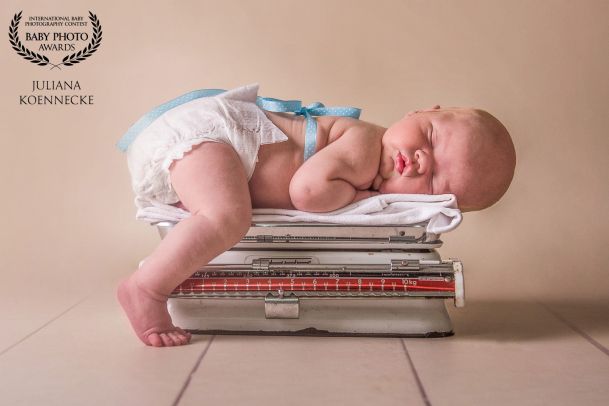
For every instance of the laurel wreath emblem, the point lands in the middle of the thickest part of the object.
(42, 60)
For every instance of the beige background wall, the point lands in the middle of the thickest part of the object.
(539, 66)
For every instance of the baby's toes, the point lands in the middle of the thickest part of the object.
(154, 340)
(167, 341)
(178, 338)
(184, 334)
(185, 338)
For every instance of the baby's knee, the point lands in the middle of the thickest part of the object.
(230, 224)
(238, 220)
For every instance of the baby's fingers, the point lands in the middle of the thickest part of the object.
(377, 182)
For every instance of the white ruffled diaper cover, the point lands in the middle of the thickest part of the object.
(231, 117)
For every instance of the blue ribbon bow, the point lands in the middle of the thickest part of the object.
(313, 109)
(266, 103)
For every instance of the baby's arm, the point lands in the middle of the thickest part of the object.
(325, 182)
(326, 195)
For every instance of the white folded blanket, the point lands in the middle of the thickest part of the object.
(440, 211)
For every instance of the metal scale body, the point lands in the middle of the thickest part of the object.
(323, 279)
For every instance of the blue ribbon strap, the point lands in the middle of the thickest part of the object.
(153, 114)
(266, 103)
(313, 109)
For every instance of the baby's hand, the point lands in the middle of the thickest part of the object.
(377, 182)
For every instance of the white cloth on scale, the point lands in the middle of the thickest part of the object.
(439, 211)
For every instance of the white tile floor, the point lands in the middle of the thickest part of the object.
(70, 350)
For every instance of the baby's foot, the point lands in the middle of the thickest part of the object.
(149, 316)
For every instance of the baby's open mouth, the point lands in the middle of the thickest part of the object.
(399, 163)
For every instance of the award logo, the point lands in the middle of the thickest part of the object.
(56, 42)
(51, 40)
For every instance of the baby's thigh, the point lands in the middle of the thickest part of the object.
(210, 179)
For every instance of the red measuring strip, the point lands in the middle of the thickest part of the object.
(201, 285)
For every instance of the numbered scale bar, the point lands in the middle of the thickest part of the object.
(317, 283)
(215, 284)
(427, 278)
(281, 281)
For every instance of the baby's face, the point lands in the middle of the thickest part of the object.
(425, 153)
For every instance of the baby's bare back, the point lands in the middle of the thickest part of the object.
(354, 160)
(277, 163)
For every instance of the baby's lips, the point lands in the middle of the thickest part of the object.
(399, 163)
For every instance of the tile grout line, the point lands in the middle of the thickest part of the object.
(416, 375)
(573, 327)
(4, 351)
(192, 372)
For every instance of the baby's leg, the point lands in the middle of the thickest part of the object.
(212, 184)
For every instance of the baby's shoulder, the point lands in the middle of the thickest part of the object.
(356, 141)
(352, 128)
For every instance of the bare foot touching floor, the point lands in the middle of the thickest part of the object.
(149, 317)
(213, 227)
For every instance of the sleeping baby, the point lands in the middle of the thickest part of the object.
(220, 156)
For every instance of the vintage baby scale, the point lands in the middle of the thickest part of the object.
(368, 269)
(323, 279)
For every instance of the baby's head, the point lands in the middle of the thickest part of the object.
(466, 152)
